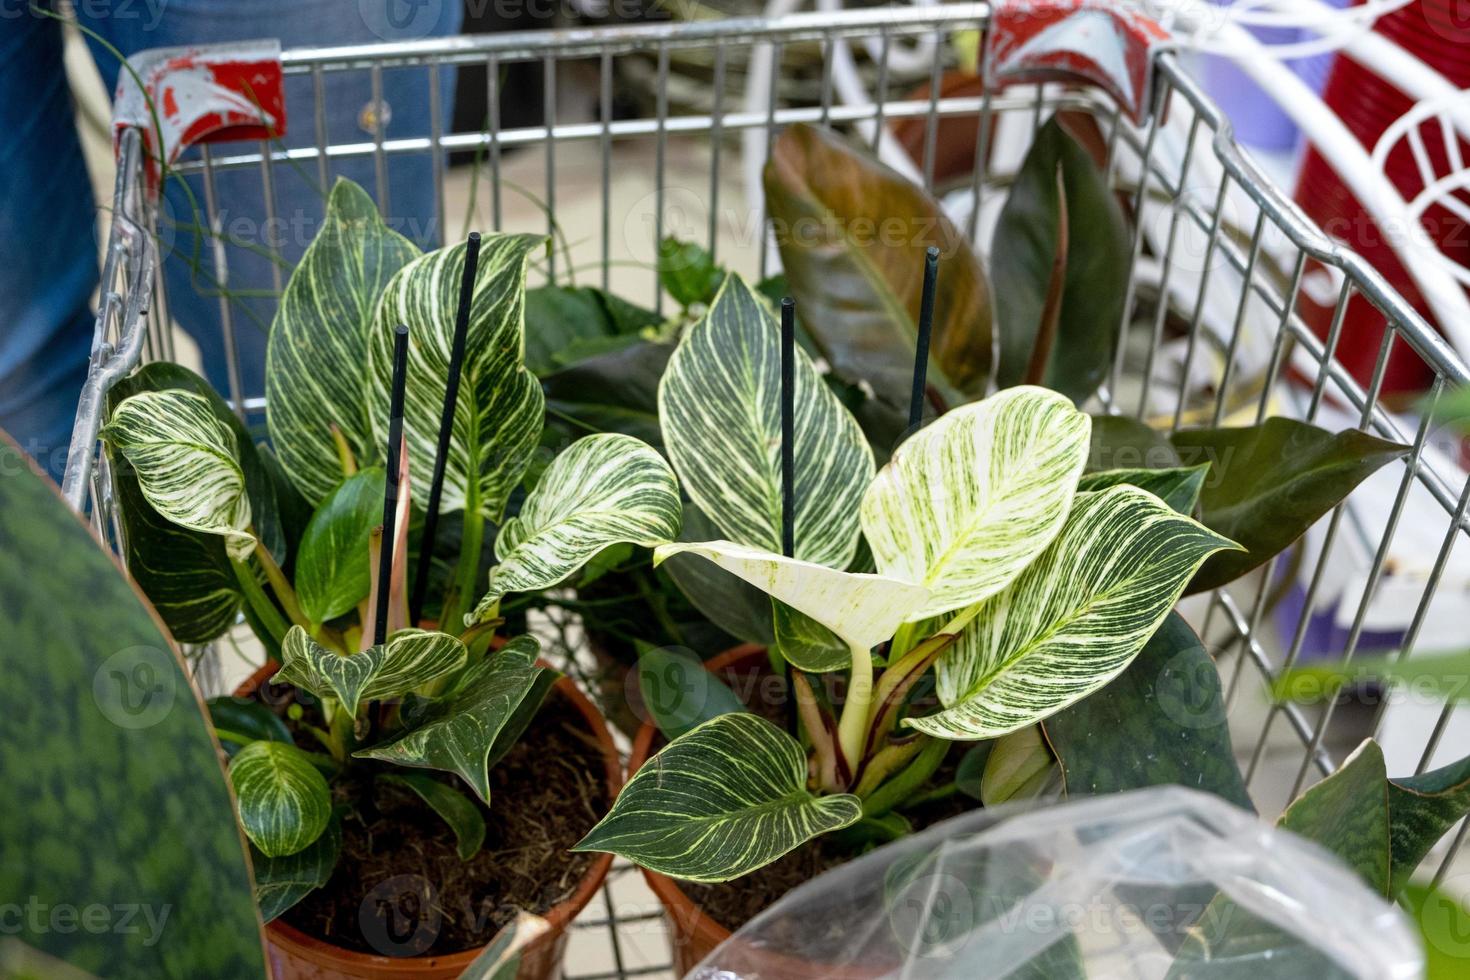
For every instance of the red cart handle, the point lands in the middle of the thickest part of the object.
(211, 93)
(1100, 42)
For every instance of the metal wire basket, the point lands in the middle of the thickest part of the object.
(1212, 329)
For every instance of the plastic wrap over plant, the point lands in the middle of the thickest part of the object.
(1161, 883)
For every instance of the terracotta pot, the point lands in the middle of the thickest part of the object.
(296, 956)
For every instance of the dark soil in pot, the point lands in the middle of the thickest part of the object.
(399, 862)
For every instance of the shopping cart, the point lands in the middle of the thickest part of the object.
(1211, 331)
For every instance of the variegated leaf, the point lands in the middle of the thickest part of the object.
(316, 363)
(282, 799)
(719, 406)
(500, 407)
(604, 489)
(187, 465)
(1179, 486)
(1074, 619)
(968, 502)
(501, 959)
(410, 659)
(718, 802)
(861, 608)
(469, 730)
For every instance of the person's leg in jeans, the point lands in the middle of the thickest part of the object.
(48, 249)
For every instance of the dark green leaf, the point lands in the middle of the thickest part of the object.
(1059, 203)
(1179, 487)
(112, 795)
(333, 568)
(677, 693)
(612, 392)
(1420, 810)
(1121, 442)
(281, 882)
(1270, 482)
(246, 717)
(852, 235)
(970, 772)
(458, 811)
(805, 643)
(732, 604)
(1161, 721)
(283, 800)
(688, 273)
(1019, 767)
(568, 324)
(1347, 813)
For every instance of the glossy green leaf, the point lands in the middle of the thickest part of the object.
(316, 366)
(470, 729)
(1073, 620)
(282, 799)
(863, 609)
(1059, 217)
(1161, 721)
(969, 501)
(410, 659)
(677, 693)
(719, 405)
(615, 391)
(969, 774)
(852, 235)
(688, 273)
(237, 719)
(718, 802)
(462, 816)
(113, 793)
(186, 462)
(1179, 487)
(499, 411)
(1421, 810)
(1121, 442)
(725, 599)
(566, 325)
(805, 643)
(603, 490)
(1347, 813)
(333, 572)
(1271, 482)
(1019, 767)
(281, 882)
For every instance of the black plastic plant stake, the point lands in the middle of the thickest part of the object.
(390, 492)
(446, 426)
(788, 426)
(921, 348)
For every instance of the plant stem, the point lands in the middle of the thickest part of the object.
(903, 641)
(281, 587)
(833, 773)
(900, 788)
(461, 592)
(852, 730)
(260, 603)
(885, 762)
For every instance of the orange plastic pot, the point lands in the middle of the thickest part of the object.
(296, 956)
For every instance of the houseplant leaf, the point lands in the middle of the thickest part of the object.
(1121, 442)
(688, 273)
(498, 414)
(970, 500)
(501, 959)
(1073, 620)
(677, 693)
(616, 391)
(1179, 486)
(113, 792)
(1273, 481)
(862, 609)
(1421, 809)
(1161, 721)
(316, 363)
(410, 659)
(470, 729)
(237, 721)
(604, 489)
(1347, 813)
(718, 802)
(187, 464)
(805, 643)
(1059, 219)
(720, 410)
(565, 325)
(281, 882)
(857, 277)
(726, 600)
(332, 566)
(1018, 767)
(282, 799)
(462, 816)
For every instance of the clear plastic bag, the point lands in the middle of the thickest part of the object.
(1164, 883)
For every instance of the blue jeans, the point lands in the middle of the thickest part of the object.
(48, 245)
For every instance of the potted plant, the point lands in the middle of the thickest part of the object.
(396, 813)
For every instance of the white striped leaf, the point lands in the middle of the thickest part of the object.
(1074, 619)
(1179, 486)
(863, 609)
(470, 729)
(187, 464)
(604, 489)
(283, 800)
(719, 406)
(718, 802)
(410, 659)
(316, 362)
(968, 502)
(500, 407)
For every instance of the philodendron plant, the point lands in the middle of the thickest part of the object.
(214, 526)
(1019, 584)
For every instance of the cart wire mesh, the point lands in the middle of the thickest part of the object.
(1220, 261)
